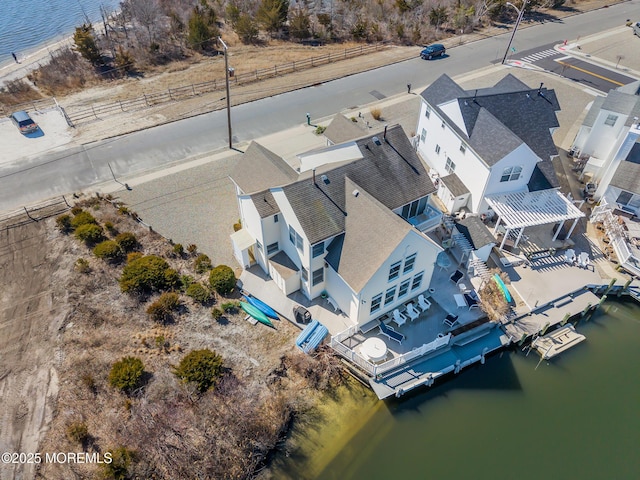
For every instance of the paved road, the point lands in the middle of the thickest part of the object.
(588, 74)
(56, 173)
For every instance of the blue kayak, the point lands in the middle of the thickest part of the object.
(263, 307)
(256, 313)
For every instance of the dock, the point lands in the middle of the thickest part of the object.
(558, 341)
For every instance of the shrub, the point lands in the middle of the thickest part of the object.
(82, 265)
(237, 226)
(199, 292)
(89, 233)
(146, 274)
(185, 282)
(192, 248)
(78, 432)
(320, 130)
(127, 241)
(202, 263)
(110, 227)
(376, 113)
(230, 307)
(76, 210)
(122, 210)
(178, 249)
(63, 222)
(126, 374)
(202, 367)
(162, 309)
(134, 256)
(121, 459)
(222, 279)
(109, 250)
(82, 218)
(216, 313)
(171, 279)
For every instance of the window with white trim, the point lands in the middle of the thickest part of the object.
(511, 173)
(272, 248)
(611, 120)
(275, 218)
(427, 111)
(317, 276)
(390, 295)
(423, 135)
(404, 288)
(450, 166)
(394, 271)
(417, 281)
(296, 239)
(318, 249)
(375, 303)
(438, 149)
(409, 263)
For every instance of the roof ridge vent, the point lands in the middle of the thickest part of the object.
(355, 193)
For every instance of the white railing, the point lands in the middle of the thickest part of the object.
(349, 332)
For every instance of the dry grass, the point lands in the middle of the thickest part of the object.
(492, 300)
(376, 113)
(17, 91)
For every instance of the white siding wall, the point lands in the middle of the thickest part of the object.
(427, 252)
(469, 168)
(250, 219)
(340, 291)
(272, 232)
(604, 140)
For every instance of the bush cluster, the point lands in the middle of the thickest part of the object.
(126, 374)
(163, 308)
(146, 274)
(63, 223)
(202, 367)
(127, 241)
(89, 233)
(202, 263)
(222, 279)
(82, 218)
(109, 250)
(199, 293)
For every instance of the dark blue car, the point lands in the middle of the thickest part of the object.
(435, 50)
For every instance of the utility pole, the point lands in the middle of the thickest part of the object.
(518, 20)
(226, 77)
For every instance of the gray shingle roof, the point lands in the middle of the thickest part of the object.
(593, 112)
(543, 177)
(627, 176)
(372, 233)
(619, 102)
(258, 169)
(342, 129)
(391, 172)
(454, 185)
(528, 113)
(283, 264)
(265, 203)
(476, 232)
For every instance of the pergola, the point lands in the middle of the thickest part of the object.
(527, 209)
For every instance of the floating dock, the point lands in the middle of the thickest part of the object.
(558, 341)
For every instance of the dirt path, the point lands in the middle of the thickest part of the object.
(30, 317)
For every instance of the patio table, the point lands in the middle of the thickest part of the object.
(374, 349)
(460, 301)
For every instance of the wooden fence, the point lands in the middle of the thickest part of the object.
(34, 212)
(94, 112)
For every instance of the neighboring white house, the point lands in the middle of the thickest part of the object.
(609, 138)
(488, 141)
(347, 230)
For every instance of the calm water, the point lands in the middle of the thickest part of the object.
(27, 25)
(577, 417)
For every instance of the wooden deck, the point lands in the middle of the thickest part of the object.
(558, 341)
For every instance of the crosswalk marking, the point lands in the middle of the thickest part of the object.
(540, 55)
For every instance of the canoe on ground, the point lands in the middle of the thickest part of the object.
(255, 313)
(263, 307)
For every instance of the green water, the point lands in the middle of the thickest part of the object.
(577, 417)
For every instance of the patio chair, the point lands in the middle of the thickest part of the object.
(570, 256)
(423, 303)
(390, 333)
(412, 312)
(472, 300)
(399, 318)
(583, 260)
(450, 320)
(456, 276)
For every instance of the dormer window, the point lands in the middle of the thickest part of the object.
(511, 173)
(611, 120)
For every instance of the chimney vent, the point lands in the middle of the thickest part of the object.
(385, 133)
(356, 192)
(314, 177)
(325, 179)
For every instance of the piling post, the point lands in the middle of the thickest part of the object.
(544, 329)
(522, 339)
(611, 284)
(565, 319)
(625, 287)
(586, 309)
(602, 300)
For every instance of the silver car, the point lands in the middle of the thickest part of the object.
(23, 121)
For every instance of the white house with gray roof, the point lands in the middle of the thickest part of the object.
(352, 230)
(488, 141)
(610, 138)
